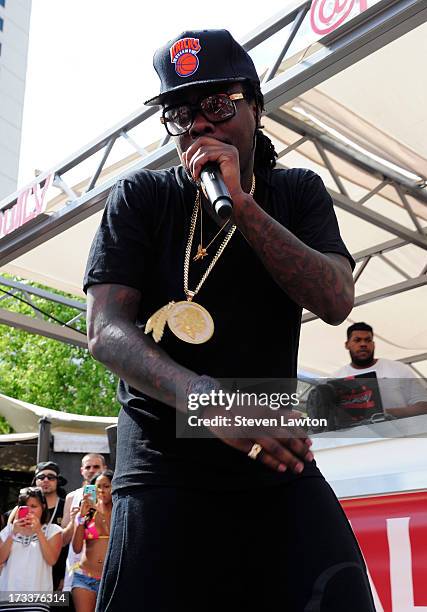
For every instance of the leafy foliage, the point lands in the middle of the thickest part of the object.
(50, 373)
(5, 428)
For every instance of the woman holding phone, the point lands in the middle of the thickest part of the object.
(29, 546)
(91, 534)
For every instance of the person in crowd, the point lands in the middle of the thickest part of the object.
(91, 537)
(29, 546)
(232, 521)
(402, 393)
(91, 464)
(47, 476)
(49, 479)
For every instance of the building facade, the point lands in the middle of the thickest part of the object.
(14, 35)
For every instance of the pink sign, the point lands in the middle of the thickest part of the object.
(30, 203)
(327, 15)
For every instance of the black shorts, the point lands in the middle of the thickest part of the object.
(287, 547)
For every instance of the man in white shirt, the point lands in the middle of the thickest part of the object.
(402, 394)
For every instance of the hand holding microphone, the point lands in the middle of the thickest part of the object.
(208, 160)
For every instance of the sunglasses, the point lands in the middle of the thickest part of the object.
(48, 476)
(216, 108)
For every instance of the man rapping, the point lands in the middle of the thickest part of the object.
(178, 298)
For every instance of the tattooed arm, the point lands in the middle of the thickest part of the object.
(321, 283)
(119, 344)
(115, 340)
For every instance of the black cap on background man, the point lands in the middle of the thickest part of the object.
(52, 466)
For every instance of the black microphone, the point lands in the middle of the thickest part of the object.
(216, 190)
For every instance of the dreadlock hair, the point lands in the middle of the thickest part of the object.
(265, 153)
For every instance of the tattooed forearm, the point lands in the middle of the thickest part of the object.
(321, 283)
(118, 343)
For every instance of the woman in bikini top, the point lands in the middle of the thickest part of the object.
(91, 535)
(91, 531)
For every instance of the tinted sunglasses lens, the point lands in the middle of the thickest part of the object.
(178, 119)
(44, 476)
(217, 108)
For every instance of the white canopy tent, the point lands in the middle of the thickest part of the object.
(350, 106)
(71, 432)
(42, 433)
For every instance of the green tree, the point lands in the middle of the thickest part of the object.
(50, 373)
(5, 428)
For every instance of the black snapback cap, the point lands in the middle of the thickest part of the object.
(49, 465)
(199, 57)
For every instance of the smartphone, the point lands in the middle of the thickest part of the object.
(23, 511)
(91, 491)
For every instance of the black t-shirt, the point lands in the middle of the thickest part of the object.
(141, 243)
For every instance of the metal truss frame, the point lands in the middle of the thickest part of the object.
(34, 325)
(324, 144)
(412, 359)
(384, 22)
(371, 30)
(38, 324)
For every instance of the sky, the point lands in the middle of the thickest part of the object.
(90, 64)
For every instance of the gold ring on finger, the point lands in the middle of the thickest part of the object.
(255, 451)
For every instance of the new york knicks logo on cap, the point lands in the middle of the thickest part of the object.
(184, 56)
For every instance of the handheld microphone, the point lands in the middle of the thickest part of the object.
(216, 190)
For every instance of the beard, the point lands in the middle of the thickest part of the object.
(362, 362)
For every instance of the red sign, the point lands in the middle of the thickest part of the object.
(392, 533)
(30, 203)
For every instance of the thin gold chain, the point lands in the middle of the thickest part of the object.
(188, 293)
(201, 232)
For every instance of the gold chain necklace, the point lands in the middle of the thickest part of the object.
(188, 320)
(201, 250)
(188, 293)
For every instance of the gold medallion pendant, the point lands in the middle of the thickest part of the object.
(191, 322)
(188, 320)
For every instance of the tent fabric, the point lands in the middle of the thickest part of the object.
(23, 417)
(377, 103)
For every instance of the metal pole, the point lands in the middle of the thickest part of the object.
(295, 27)
(43, 445)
